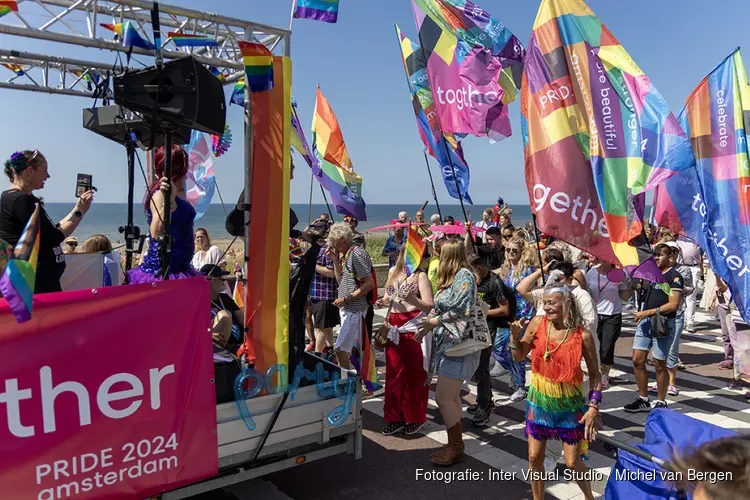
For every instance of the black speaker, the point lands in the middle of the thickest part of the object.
(189, 96)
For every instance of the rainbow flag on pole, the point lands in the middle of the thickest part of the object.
(413, 251)
(258, 66)
(17, 282)
(331, 163)
(188, 40)
(591, 117)
(319, 10)
(238, 93)
(8, 6)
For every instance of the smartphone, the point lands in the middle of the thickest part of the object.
(83, 184)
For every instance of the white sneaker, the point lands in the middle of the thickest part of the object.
(519, 395)
(497, 371)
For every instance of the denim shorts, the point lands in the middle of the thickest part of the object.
(673, 357)
(462, 368)
(644, 342)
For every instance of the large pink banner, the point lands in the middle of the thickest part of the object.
(108, 393)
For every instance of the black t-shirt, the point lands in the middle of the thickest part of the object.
(652, 297)
(493, 258)
(490, 290)
(16, 208)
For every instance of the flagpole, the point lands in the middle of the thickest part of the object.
(309, 206)
(432, 183)
(291, 17)
(538, 247)
(445, 143)
(325, 198)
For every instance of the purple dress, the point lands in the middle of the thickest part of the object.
(182, 249)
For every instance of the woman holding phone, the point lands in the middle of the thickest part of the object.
(28, 172)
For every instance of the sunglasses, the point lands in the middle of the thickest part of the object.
(512, 250)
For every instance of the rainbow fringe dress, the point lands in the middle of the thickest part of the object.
(555, 401)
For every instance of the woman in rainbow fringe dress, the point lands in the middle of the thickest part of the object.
(555, 406)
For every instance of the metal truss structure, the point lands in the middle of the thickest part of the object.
(59, 21)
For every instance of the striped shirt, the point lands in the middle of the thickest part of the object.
(356, 266)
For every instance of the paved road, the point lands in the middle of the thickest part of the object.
(388, 469)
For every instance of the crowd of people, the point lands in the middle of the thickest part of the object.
(543, 303)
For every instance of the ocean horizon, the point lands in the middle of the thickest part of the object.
(106, 218)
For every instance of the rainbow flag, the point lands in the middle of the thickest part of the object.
(8, 6)
(299, 141)
(710, 202)
(188, 40)
(442, 146)
(319, 10)
(15, 68)
(17, 282)
(590, 112)
(238, 93)
(129, 35)
(466, 47)
(331, 163)
(258, 66)
(267, 290)
(366, 362)
(218, 74)
(413, 251)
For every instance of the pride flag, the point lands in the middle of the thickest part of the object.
(466, 74)
(588, 110)
(238, 93)
(258, 66)
(129, 35)
(17, 282)
(319, 10)
(331, 164)
(299, 141)
(413, 251)
(8, 6)
(267, 291)
(188, 40)
(365, 363)
(15, 68)
(200, 183)
(218, 74)
(443, 147)
(710, 203)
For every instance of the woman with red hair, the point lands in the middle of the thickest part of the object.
(181, 226)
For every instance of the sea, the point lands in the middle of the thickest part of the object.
(106, 218)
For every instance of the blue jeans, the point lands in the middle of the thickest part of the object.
(643, 340)
(502, 354)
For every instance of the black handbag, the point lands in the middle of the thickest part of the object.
(659, 328)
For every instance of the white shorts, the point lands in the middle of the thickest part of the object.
(350, 331)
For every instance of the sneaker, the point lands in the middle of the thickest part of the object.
(393, 428)
(653, 389)
(472, 409)
(481, 417)
(411, 429)
(690, 328)
(680, 365)
(726, 365)
(605, 381)
(366, 393)
(735, 385)
(639, 405)
(673, 390)
(310, 347)
(660, 405)
(519, 395)
(497, 371)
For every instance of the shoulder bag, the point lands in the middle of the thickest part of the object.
(478, 333)
(659, 328)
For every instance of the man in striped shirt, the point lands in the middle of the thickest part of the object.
(354, 276)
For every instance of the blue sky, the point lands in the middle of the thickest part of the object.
(358, 65)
